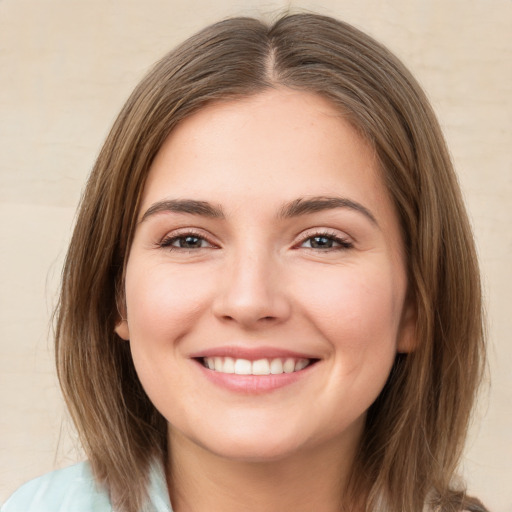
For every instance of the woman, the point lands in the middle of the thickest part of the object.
(271, 300)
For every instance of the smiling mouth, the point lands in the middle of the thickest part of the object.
(274, 366)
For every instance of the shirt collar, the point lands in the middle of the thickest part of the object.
(159, 500)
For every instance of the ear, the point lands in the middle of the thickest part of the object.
(407, 340)
(122, 329)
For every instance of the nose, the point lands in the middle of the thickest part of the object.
(252, 293)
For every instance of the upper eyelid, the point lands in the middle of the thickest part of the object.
(182, 232)
(186, 231)
(343, 242)
(329, 232)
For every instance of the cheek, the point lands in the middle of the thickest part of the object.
(162, 307)
(161, 303)
(358, 311)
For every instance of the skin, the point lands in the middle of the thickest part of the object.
(254, 279)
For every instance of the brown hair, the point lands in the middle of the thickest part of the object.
(415, 431)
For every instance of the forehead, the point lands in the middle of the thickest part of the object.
(265, 150)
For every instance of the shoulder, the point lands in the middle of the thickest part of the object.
(72, 489)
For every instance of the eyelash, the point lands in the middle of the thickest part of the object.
(344, 244)
(167, 242)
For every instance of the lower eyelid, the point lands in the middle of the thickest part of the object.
(340, 245)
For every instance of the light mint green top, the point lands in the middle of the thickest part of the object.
(74, 489)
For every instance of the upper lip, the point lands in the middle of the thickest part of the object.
(251, 353)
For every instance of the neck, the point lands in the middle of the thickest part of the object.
(201, 481)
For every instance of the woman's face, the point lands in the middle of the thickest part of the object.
(266, 284)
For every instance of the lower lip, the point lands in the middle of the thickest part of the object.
(253, 384)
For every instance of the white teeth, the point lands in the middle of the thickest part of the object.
(289, 365)
(242, 367)
(260, 367)
(229, 365)
(301, 364)
(276, 366)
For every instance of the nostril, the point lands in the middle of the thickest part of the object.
(265, 318)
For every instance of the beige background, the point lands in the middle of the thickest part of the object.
(66, 67)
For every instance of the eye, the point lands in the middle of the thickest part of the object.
(326, 242)
(185, 241)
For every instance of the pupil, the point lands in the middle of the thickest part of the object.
(190, 241)
(321, 242)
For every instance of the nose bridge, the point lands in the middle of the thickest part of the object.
(252, 289)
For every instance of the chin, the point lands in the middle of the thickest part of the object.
(255, 452)
(250, 445)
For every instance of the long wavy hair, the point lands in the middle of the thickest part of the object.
(415, 431)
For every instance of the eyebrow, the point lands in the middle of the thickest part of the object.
(295, 208)
(304, 206)
(190, 206)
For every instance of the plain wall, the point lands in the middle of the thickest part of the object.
(66, 67)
